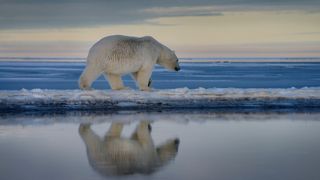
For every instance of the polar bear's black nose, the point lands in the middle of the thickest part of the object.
(177, 68)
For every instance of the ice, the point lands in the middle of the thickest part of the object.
(37, 99)
(65, 75)
(131, 116)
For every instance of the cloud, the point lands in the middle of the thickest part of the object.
(26, 14)
(308, 33)
(182, 11)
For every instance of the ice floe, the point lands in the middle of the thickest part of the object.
(200, 98)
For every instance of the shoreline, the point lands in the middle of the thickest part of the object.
(253, 99)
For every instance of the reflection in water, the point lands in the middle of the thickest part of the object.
(116, 155)
(216, 145)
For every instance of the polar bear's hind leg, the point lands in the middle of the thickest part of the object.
(87, 77)
(115, 81)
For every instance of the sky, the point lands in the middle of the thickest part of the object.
(192, 28)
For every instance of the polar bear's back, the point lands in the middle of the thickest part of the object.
(121, 53)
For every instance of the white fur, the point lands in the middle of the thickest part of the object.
(117, 55)
(116, 155)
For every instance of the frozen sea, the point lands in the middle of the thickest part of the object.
(64, 75)
(251, 137)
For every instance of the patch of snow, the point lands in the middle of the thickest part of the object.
(167, 98)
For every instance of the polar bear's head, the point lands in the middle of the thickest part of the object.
(168, 59)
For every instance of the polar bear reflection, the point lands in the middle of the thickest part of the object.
(116, 155)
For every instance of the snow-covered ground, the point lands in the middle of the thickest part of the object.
(200, 98)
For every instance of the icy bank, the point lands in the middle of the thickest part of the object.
(38, 99)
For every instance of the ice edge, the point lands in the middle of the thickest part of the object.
(181, 98)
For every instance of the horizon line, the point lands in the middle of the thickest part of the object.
(209, 57)
(310, 59)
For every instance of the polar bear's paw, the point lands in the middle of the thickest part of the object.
(88, 89)
(148, 89)
(122, 88)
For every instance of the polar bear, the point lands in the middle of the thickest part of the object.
(116, 155)
(114, 56)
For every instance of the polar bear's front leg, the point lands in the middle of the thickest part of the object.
(115, 81)
(135, 77)
(143, 79)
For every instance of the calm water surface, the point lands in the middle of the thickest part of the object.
(207, 145)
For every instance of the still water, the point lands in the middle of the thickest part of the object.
(200, 145)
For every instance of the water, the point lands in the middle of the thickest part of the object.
(199, 145)
(64, 75)
(219, 144)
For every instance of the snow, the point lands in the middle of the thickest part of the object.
(200, 98)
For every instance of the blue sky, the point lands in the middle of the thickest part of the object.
(193, 28)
